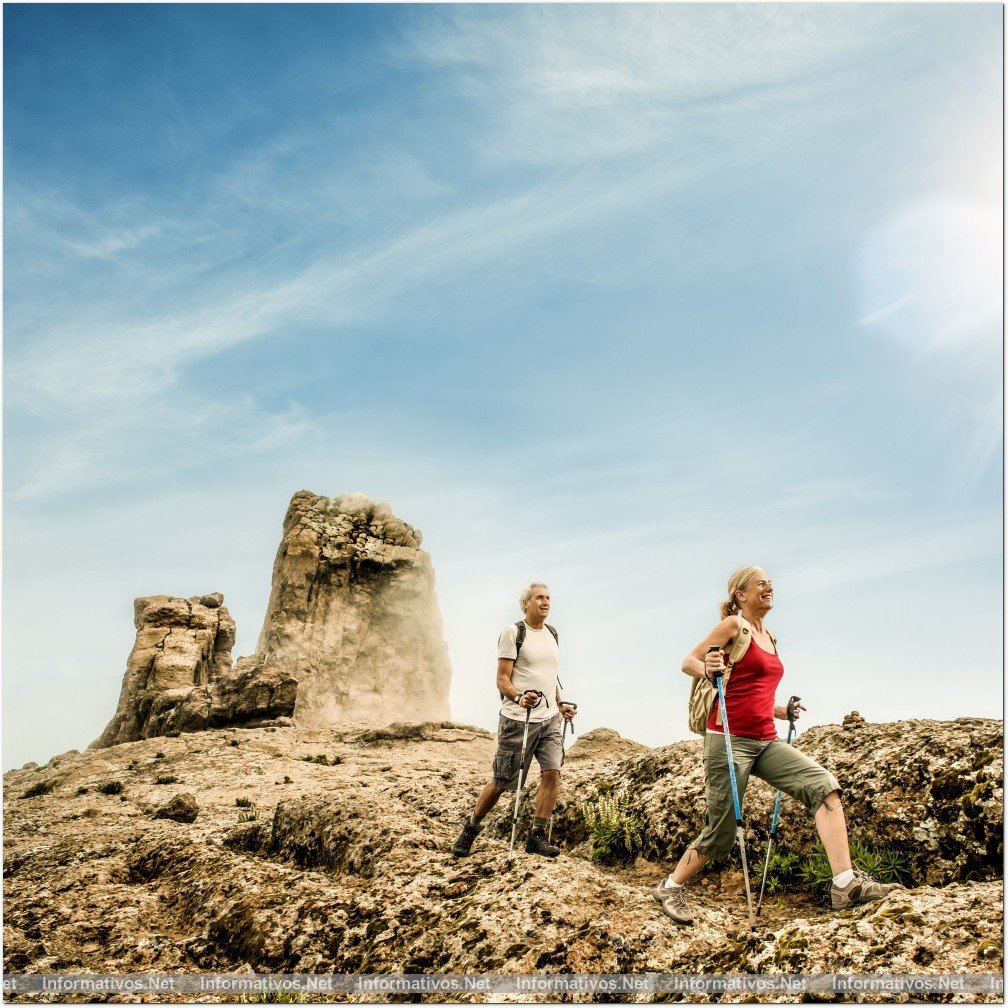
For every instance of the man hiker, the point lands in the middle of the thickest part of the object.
(528, 656)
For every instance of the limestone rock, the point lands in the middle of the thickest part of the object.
(342, 864)
(179, 675)
(353, 615)
(182, 808)
(930, 791)
(604, 744)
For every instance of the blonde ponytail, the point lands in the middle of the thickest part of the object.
(736, 583)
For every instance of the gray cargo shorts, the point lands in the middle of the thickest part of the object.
(545, 743)
(776, 762)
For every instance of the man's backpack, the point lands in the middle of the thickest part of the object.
(703, 693)
(520, 639)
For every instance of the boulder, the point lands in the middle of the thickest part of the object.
(182, 808)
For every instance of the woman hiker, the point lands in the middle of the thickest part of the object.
(750, 698)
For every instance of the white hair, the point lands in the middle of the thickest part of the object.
(527, 591)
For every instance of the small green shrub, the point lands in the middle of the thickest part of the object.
(249, 816)
(615, 831)
(243, 802)
(43, 787)
(233, 741)
(322, 760)
(111, 787)
(881, 863)
(83, 790)
(287, 780)
(166, 779)
(783, 870)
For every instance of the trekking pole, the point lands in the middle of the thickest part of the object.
(776, 808)
(563, 756)
(739, 829)
(521, 770)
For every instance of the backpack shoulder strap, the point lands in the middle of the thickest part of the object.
(519, 637)
(742, 641)
(552, 630)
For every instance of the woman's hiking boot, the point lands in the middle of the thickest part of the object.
(675, 905)
(463, 846)
(861, 889)
(662, 892)
(538, 844)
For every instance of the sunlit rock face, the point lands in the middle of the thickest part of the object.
(353, 615)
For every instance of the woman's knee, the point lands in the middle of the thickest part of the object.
(830, 801)
(717, 844)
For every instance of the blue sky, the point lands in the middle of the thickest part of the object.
(619, 297)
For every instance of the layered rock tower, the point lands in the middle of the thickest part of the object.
(352, 633)
(353, 615)
(179, 675)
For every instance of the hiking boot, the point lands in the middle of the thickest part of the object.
(676, 907)
(538, 844)
(463, 846)
(861, 889)
(662, 892)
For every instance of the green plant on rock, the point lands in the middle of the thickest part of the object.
(250, 815)
(111, 787)
(615, 831)
(243, 802)
(166, 779)
(41, 788)
(783, 870)
(881, 863)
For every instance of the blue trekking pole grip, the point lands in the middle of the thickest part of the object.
(739, 828)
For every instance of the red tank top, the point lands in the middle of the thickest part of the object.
(750, 695)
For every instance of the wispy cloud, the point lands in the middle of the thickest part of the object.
(601, 81)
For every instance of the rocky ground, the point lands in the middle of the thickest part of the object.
(326, 850)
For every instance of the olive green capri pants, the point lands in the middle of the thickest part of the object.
(776, 762)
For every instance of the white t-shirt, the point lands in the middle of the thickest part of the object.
(536, 668)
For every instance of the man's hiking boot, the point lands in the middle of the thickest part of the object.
(676, 907)
(538, 844)
(463, 846)
(861, 889)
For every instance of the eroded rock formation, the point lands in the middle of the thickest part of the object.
(353, 616)
(352, 634)
(179, 675)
